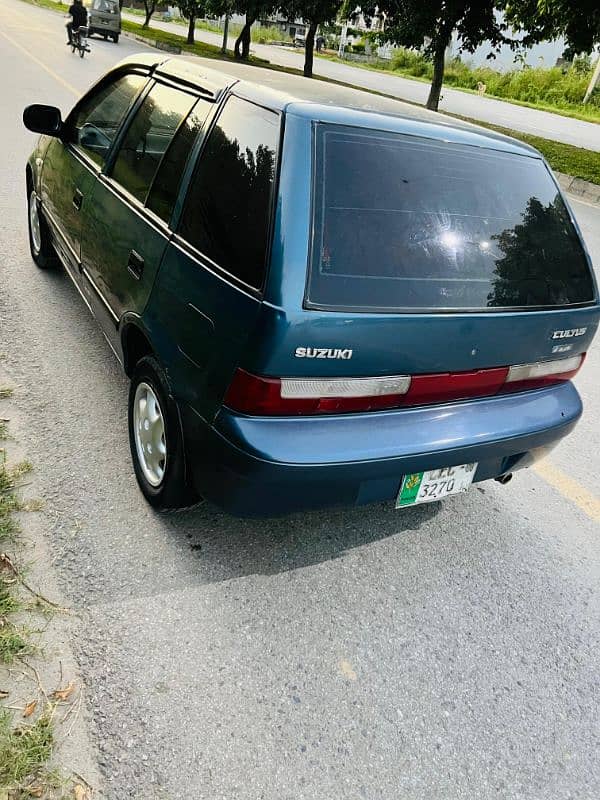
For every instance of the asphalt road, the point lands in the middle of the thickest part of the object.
(484, 109)
(441, 653)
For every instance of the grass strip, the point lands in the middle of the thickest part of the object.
(13, 639)
(24, 750)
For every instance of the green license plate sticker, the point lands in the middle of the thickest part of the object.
(435, 484)
(409, 490)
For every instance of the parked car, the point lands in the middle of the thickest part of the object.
(400, 319)
(104, 19)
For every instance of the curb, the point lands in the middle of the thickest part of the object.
(168, 48)
(577, 186)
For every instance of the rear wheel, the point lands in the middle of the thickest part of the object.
(156, 439)
(40, 245)
(81, 50)
(115, 38)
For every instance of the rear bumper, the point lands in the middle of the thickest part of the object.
(259, 466)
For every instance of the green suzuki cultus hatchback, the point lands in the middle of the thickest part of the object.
(315, 304)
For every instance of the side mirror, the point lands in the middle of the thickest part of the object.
(43, 119)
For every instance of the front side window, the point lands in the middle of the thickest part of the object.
(402, 222)
(148, 138)
(227, 210)
(97, 119)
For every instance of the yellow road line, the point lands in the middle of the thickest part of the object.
(570, 489)
(47, 69)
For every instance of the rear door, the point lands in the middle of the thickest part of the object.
(127, 224)
(70, 168)
(210, 286)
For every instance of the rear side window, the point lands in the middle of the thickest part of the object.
(148, 138)
(165, 188)
(402, 222)
(227, 210)
(98, 117)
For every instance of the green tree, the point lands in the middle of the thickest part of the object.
(221, 8)
(578, 22)
(428, 25)
(150, 8)
(313, 13)
(191, 10)
(253, 9)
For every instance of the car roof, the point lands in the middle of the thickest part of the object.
(323, 101)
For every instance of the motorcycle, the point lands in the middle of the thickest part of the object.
(79, 41)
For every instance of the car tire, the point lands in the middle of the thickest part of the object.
(115, 38)
(40, 245)
(156, 439)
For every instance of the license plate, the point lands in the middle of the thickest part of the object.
(434, 484)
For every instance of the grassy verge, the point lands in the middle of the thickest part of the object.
(24, 748)
(565, 158)
(27, 734)
(259, 33)
(200, 48)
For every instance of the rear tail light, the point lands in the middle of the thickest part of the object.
(262, 396)
(534, 376)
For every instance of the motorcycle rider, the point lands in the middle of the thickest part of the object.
(78, 14)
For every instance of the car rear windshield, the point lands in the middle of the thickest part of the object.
(406, 223)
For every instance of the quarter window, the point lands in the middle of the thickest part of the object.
(227, 211)
(148, 138)
(98, 118)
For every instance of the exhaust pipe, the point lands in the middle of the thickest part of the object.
(504, 479)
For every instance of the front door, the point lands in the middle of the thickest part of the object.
(66, 182)
(70, 167)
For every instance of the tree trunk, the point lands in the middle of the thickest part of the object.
(309, 49)
(149, 7)
(438, 76)
(191, 29)
(225, 34)
(242, 43)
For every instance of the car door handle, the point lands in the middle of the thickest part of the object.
(78, 199)
(135, 265)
